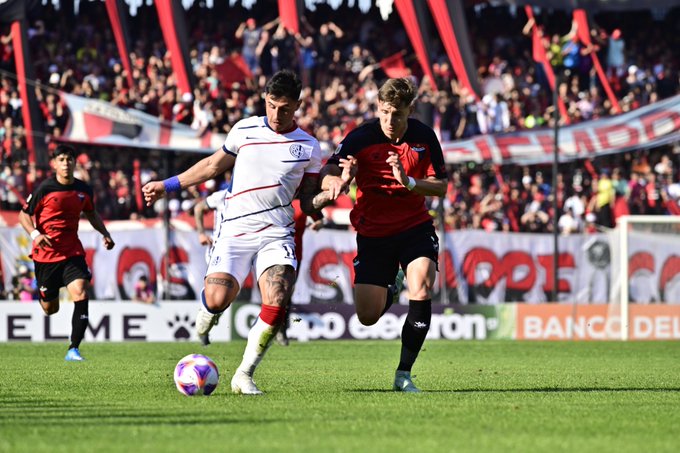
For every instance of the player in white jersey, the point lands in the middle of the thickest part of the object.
(273, 161)
(213, 202)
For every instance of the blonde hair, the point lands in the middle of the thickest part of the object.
(398, 92)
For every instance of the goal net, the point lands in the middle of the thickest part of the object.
(645, 266)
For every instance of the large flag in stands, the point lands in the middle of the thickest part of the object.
(98, 122)
(647, 127)
(14, 13)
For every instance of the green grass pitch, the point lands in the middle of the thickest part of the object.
(336, 397)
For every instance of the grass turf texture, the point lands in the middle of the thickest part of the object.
(335, 396)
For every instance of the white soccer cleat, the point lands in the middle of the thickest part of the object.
(205, 321)
(243, 384)
(404, 383)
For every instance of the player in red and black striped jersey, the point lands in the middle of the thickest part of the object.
(58, 255)
(397, 161)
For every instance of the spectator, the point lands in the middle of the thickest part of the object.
(27, 286)
(254, 39)
(143, 291)
(616, 59)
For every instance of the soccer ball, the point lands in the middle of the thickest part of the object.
(196, 374)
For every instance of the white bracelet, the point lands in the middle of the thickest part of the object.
(411, 183)
(35, 234)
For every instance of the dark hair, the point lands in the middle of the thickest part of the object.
(398, 92)
(64, 149)
(284, 83)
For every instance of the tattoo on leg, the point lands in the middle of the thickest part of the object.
(229, 283)
(278, 283)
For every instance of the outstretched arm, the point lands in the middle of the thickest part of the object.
(207, 168)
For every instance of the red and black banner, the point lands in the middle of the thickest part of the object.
(14, 12)
(449, 16)
(540, 56)
(650, 126)
(175, 33)
(118, 18)
(413, 16)
(394, 66)
(583, 32)
(290, 12)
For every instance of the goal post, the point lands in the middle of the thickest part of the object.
(645, 263)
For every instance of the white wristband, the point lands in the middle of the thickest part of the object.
(35, 234)
(411, 183)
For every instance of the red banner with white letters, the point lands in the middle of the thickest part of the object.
(480, 268)
(96, 122)
(647, 127)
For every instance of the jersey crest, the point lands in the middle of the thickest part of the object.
(296, 150)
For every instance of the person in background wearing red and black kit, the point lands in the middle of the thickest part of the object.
(397, 161)
(58, 255)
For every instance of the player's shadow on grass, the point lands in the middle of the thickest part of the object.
(18, 411)
(530, 390)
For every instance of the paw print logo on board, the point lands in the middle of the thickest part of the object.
(182, 326)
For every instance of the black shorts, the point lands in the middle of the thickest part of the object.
(52, 276)
(378, 259)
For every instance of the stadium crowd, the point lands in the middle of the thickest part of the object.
(340, 62)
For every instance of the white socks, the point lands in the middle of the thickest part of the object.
(259, 339)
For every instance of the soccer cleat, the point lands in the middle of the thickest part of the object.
(204, 322)
(404, 383)
(204, 339)
(282, 337)
(243, 384)
(397, 287)
(73, 355)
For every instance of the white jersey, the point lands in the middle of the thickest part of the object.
(266, 176)
(217, 202)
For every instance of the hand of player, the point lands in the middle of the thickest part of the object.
(41, 240)
(317, 225)
(153, 190)
(336, 186)
(108, 242)
(397, 168)
(204, 239)
(349, 169)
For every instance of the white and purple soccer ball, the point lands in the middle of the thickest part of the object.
(196, 374)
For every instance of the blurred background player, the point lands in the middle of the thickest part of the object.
(397, 161)
(57, 252)
(213, 202)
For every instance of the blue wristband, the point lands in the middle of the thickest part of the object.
(172, 184)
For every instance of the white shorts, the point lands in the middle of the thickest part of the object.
(236, 255)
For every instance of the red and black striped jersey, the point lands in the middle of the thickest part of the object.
(385, 207)
(57, 208)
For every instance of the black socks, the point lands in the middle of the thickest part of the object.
(79, 322)
(414, 332)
